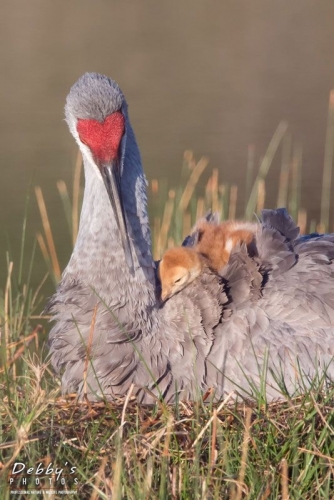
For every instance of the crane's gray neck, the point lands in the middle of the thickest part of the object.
(98, 257)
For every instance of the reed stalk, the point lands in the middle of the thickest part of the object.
(282, 198)
(302, 220)
(67, 205)
(261, 195)
(186, 227)
(166, 222)
(7, 310)
(245, 445)
(48, 233)
(265, 166)
(295, 185)
(215, 190)
(223, 190)
(249, 169)
(200, 209)
(232, 210)
(328, 166)
(156, 238)
(192, 183)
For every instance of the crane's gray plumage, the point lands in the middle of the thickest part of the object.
(108, 98)
(272, 312)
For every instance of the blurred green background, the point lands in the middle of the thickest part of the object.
(215, 77)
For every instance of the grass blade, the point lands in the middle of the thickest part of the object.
(265, 166)
(328, 167)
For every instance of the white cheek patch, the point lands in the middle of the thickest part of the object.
(86, 153)
(229, 245)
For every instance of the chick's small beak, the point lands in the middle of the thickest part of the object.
(165, 294)
(111, 178)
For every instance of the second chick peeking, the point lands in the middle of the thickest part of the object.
(181, 265)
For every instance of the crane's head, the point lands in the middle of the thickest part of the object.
(96, 113)
(178, 268)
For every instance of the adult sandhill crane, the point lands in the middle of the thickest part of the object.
(269, 317)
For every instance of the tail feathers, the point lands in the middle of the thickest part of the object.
(275, 253)
(282, 221)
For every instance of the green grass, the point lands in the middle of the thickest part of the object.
(250, 449)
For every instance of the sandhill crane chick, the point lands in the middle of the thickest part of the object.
(216, 241)
(179, 267)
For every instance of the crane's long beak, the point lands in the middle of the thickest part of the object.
(112, 182)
